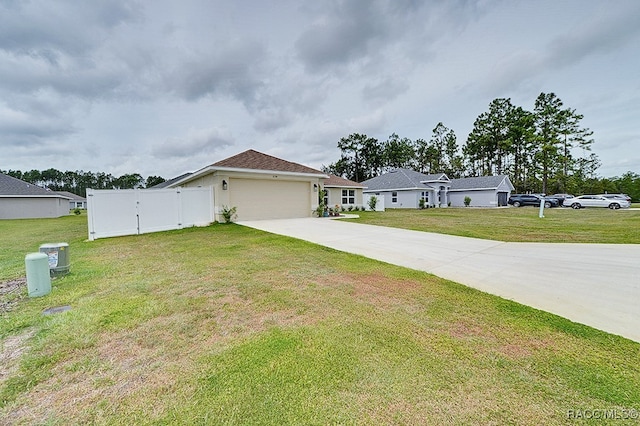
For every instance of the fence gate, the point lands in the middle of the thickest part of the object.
(114, 213)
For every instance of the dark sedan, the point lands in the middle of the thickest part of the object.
(519, 200)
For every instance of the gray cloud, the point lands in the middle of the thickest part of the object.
(104, 77)
(46, 28)
(235, 70)
(201, 141)
(601, 35)
(384, 90)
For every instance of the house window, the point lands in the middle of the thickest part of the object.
(424, 195)
(348, 196)
(394, 197)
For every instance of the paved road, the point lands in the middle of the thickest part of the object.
(593, 284)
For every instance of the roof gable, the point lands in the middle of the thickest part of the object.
(255, 160)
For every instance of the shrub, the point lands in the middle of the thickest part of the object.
(76, 211)
(373, 201)
(467, 201)
(228, 213)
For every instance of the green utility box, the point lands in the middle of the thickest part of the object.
(58, 254)
(38, 277)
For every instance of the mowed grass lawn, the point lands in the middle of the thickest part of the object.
(522, 224)
(230, 325)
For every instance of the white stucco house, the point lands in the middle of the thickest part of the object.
(484, 191)
(258, 185)
(404, 188)
(24, 200)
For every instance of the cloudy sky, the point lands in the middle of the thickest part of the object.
(162, 87)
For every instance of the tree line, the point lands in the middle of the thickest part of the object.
(78, 181)
(545, 150)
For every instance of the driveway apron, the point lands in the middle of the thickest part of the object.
(593, 284)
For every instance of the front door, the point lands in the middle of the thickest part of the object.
(502, 199)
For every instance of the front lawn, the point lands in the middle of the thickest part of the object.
(230, 325)
(523, 224)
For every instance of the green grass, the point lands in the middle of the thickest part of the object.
(230, 325)
(559, 225)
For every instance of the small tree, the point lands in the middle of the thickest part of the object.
(373, 201)
(467, 201)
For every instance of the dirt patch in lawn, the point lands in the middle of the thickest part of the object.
(11, 349)
(11, 292)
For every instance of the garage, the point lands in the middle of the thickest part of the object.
(259, 186)
(269, 199)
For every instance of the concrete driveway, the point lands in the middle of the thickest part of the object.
(593, 284)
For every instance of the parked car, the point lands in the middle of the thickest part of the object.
(596, 201)
(519, 200)
(560, 197)
(617, 196)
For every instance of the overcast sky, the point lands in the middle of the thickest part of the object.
(162, 87)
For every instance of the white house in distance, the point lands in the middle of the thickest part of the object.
(75, 201)
(24, 200)
(484, 191)
(259, 186)
(404, 188)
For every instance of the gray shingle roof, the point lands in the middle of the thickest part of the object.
(402, 179)
(479, 182)
(170, 182)
(71, 195)
(10, 186)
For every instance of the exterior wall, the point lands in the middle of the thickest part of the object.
(335, 196)
(32, 207)
(479, 198)
(270, 201)
(405, 199)
(410, 199)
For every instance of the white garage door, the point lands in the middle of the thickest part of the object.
(269, 199)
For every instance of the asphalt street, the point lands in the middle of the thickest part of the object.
(593, 284)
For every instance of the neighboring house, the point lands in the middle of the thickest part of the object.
(168, 183)
(23, 200)
(403, 188)
(484, 191)
(259, 186)
(343, 192)
(75, 201)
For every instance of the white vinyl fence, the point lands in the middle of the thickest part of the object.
(114, 213)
